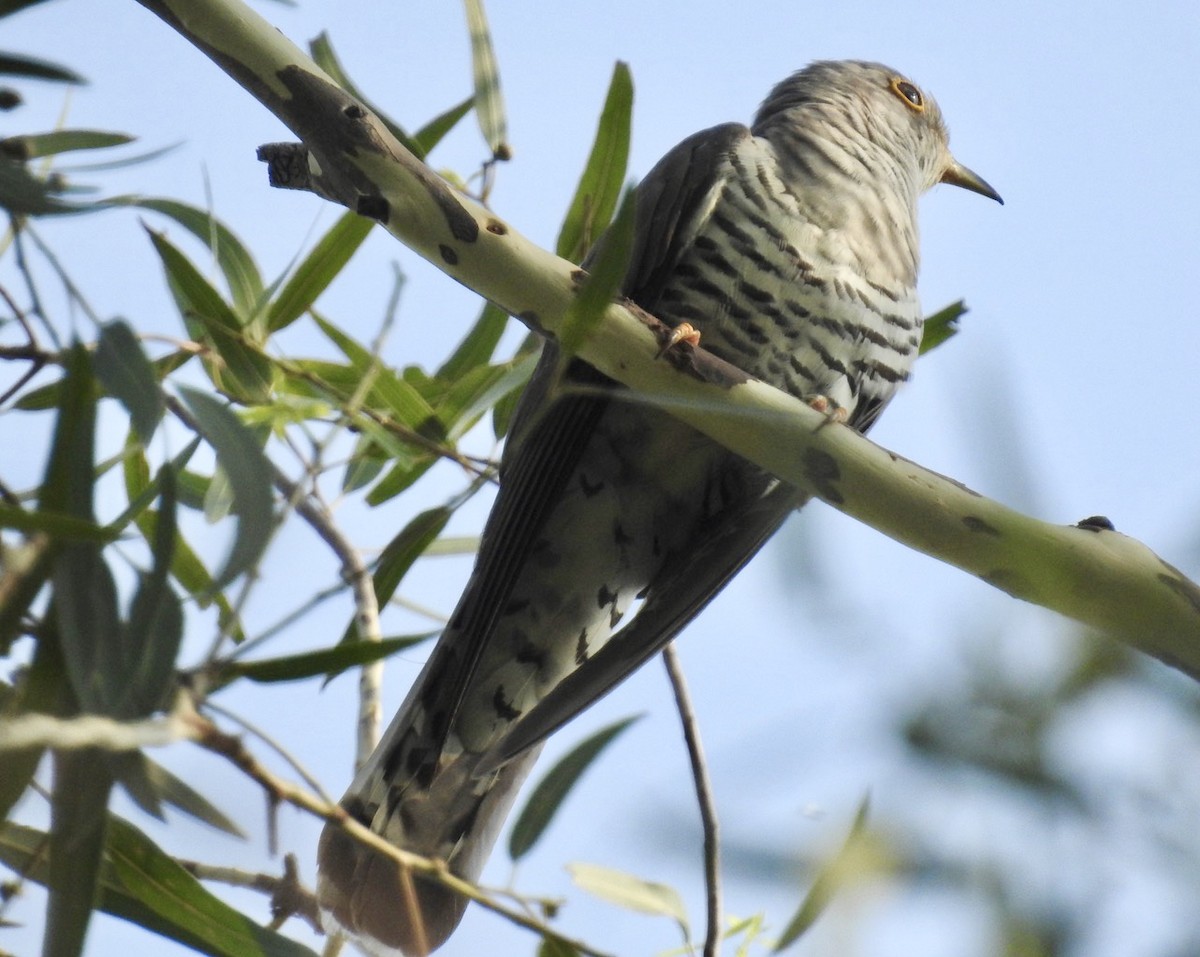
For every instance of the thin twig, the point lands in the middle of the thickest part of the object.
(289, 897)
(704, 797)
(278, 790)
(366, 609)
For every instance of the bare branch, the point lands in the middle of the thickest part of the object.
(704, 798)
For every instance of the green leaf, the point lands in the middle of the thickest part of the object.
(250, 479)
(67, 486)
(478, 345)
(77, 834)
(489, 104)
(554, 787)
(398, 557)
(24, 194)
(248, 374)
(55, 524)
(941, 326)
(236, 264)
(155, 628)
(849, 864)
(432, 133)
(35, 145)
(480, 390)
(318, 269)
(606, 272)
(141, 884)
(630, 892)
(400, 477)
(126, 373)
(146, 780)
(31, 67)
(604, 175)
(329, 662)
(89, 628)
(554, 947)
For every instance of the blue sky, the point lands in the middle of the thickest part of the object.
(1071, 391)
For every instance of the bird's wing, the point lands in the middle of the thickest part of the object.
(560, 408)
(682, 590)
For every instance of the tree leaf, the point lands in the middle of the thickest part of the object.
(35, 145)
(432, 133)
(554, 787)
(155, 628)
(631, 892)
(55, 524)
(329, 662)
(604, 174)
(941, 326)
(318, 269)
(247, 373)
(478, 345)
(13, 64)
(250, 476)
(844, 867)
(236, 264)
(77, 834)
(606, 272)
(406, 547)
(126, 373)
(489, 104)
(151, 785)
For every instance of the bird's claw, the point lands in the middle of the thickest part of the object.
(834, 413)
(684, 332)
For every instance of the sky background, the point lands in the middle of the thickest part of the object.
(1071, 391)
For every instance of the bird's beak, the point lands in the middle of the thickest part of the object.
(958, 175)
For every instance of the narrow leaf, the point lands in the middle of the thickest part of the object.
(606, 272)
(489, 104)
(478, 345)
(941, 326)
(35, 145)
(249, 474)
(599, 188)
(318, 269)
(77, 834)
(628, 891)
(329, 662)
(847, 865)
(432, 133)
(55, 524)
(247, 373)
(236, 264)
(398, 557)
(136, 772)
(554, 787)
(14, 65)
(126, 373)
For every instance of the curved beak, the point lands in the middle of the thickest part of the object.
(958, 175)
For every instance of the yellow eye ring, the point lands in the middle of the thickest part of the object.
(908, 93)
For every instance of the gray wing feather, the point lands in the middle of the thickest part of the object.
(549, 434)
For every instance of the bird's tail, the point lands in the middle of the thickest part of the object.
(422, 794)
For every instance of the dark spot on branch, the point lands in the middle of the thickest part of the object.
(373, 207)
(496, 227)
(1096, 523)
(977, 524)
(353, 111)
(821, 469)
(449, 256)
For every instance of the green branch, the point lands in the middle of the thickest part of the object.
(1094, 575)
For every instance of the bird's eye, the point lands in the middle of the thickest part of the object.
(908, 93)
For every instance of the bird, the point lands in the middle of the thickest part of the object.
(791, 246)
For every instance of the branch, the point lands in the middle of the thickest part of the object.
(1087, 572)
(208, 736)
(704, 798)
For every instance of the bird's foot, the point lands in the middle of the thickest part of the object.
(834, 413)
(684, 332)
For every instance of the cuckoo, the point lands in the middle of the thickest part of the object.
(791, 246)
